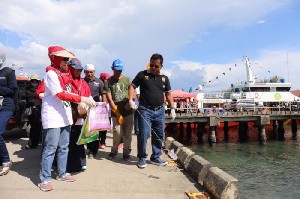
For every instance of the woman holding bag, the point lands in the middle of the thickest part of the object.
(57, 116)
(76, 156)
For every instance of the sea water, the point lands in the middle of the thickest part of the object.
(263, 171)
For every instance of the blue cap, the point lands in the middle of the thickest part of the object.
(76, 64)
(117, 64)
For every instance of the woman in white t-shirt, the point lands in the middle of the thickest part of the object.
(57, 116)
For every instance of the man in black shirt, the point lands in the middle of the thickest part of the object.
(153, 86)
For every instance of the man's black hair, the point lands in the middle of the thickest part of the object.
(157, 56)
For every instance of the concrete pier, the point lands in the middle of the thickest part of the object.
(201, 131)
(281, 130)
(243, 131)
(275, 128)
(212, 134)
(189, 133)
(262, 138)
(102, 179)
(213, 123)
(294, 130)
(218, 183)
(226, 132)
(181, 138)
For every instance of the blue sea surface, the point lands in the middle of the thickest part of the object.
(263, 171)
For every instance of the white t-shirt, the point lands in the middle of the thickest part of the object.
(55, 112)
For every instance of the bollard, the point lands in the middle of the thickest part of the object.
(176, 146)
(220, 184)
(168, 142)
(184, 156)
(198, 168)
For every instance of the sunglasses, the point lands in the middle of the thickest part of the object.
(155, 66)
(78, 70)
(66, 59)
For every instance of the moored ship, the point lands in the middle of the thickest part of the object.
(273, 93)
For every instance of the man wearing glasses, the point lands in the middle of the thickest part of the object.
(151, 118)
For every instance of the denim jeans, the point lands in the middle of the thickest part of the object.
(154, 122)
(55, 140)
(4, 118)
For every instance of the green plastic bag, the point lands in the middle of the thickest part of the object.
(85, 135)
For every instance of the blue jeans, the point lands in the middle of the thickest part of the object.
(4, 118)
(55, 140)
(154, 122)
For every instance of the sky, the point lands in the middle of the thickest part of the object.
(203, 42)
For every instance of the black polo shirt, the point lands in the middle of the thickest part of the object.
(96, 87)
(152, 88)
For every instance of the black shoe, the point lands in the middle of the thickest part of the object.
(111, 156)
(30, 146)
(126, 157)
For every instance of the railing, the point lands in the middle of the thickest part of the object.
(256, 111)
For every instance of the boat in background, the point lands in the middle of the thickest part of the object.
(262, 92)
(267, 94)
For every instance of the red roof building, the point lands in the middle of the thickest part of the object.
(296, 92)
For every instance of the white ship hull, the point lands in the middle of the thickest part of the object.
(270, 96)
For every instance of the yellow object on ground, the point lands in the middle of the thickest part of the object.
(171, 163)
(197, 195)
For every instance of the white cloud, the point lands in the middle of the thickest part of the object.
(184, 76)
(261, 22)
(100, 31)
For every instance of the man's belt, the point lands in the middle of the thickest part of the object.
(153, 108)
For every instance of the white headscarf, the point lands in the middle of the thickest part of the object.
(2, 59)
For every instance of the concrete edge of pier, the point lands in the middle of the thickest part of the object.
(215, 181)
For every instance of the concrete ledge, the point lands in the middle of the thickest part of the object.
(176, 146)
(264, 119)
(184, 156)
(168, 142)
(198, 168)
(220, 184)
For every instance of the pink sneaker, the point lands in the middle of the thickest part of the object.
(120, 146)
(45, 186)
(102, 146)
(67, 177)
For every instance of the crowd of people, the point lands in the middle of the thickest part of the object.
(58, 105)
